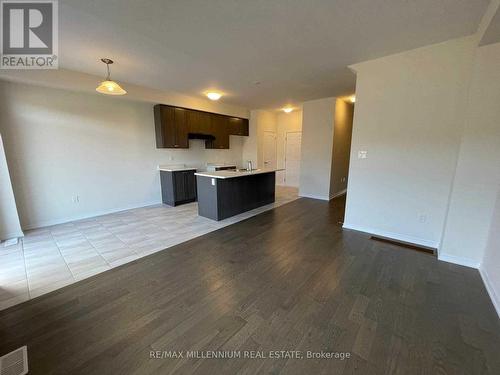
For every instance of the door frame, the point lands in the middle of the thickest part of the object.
(284, 150)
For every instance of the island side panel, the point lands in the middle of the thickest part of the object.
(167, 188)
(240, 194)
(207, 197)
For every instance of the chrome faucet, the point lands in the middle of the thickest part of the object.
(249, 166)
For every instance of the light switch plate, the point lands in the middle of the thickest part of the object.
(362, 154)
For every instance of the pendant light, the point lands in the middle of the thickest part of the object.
(108, 86)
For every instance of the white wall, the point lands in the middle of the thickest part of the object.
(317, 143)
(286, 122)
(477, 177)
(409, 118)
(344, 112)
(9, 219)
(487, 64)
(266, 122)
(490, 266)
(249, 148)
(60, 144)
(253, 146)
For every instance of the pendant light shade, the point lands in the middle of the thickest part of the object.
(108, 86)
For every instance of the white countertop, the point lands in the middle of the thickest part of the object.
(233, 174)
(175, 168)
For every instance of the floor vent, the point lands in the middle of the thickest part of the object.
(15, 363)
(408, 245)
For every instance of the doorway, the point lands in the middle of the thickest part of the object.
(293, 141)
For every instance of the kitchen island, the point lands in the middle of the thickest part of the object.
(223, 194)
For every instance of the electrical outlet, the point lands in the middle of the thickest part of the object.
(362, 154)
(75, 199)
(422, 218)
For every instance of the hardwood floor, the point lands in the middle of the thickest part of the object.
(287, 279)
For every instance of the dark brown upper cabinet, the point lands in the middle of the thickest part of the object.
(220, 132)
(199, 122)
(174, 126)
(238, 126)
(171, 127)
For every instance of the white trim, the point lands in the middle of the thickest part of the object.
(392, 235)
(494, 296)
(338, 194)
(12, 235)
(10, 242)
(314, 196)
(467, 262)
(48, 223)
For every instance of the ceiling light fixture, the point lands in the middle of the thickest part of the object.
(214, 95)
(287, 109)
(108, 86)
(353, 99)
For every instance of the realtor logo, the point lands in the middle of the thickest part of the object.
(29, 37)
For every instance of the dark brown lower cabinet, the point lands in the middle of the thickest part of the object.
(220, 198)
(178, 187)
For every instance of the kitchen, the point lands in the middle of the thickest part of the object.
(222, 190)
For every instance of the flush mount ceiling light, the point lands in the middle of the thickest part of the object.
(353, 99)
(214, 95)
(287, 109)
(108, 86)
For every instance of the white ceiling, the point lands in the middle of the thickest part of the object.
(297, 49)
(492, 32)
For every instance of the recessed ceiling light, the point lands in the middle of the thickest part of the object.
(108, 86)
(214, 95)
(287, 109)
(353, 99)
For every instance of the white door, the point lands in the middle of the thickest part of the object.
(292, 158)
(269, 150)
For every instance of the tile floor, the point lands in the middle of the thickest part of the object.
(49, 258)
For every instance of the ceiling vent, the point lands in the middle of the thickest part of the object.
(15, 363)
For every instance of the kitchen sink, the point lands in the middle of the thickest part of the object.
(246, 170)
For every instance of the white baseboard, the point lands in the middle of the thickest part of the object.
(395, 236)
(47, 223)
(338, 194)
(314, 196)
(459, 260)
(9, 242)
(11, 235)
(490, 288)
